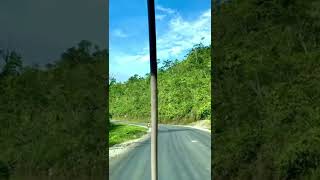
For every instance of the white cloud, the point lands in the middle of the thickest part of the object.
(180, 36)
(166, 10)
(125, 65)
(160, 16)
(119, 33)
(123, 58)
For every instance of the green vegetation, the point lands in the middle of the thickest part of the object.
(53, 120)
(119, 133)
(183, 87)
(266, 90)
(206, 124)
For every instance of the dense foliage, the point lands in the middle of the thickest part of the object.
(266, 90)
(183, 91)
(53, 120)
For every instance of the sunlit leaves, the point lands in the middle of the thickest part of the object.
(183, 87)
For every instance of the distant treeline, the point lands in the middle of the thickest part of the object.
(183, 91)
(53, 121)
(266, 62)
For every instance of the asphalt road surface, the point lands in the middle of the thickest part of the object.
(183, 153)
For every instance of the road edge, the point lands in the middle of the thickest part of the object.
(119, 149)
(193, 127)
(125, 147)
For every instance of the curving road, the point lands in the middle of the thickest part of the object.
(183, 153)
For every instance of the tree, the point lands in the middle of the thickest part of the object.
(13, 63)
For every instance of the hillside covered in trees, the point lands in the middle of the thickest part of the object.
(183, 91)
(53, 119)
(266, 90)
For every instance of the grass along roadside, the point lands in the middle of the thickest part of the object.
(120, 133)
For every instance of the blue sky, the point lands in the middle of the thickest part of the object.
(180, 25)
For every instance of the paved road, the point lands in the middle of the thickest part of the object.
(183, 153)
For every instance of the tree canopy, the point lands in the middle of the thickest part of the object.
(266, 89)
(54, 119)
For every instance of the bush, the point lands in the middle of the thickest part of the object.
(301, 157)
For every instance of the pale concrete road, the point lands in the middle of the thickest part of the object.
(183, 154)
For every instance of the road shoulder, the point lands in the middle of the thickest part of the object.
(119, 149)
